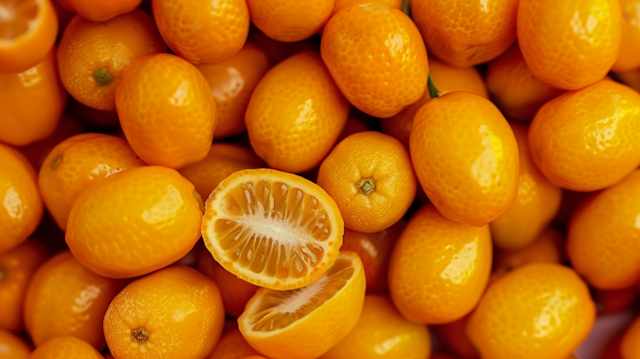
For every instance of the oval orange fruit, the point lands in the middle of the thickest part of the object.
(65, 347)
(100, 10)
(93, 55)
(569, 44)
(629, 56)
(290, 20)
(392, 43)
(204, 31)
(588, 139)
(464, 33)
(369, 175)
(186, 325)
(439, 268)
(296, 114)
(152, 219)
(166, 110)
(466, 157)
(12, 346)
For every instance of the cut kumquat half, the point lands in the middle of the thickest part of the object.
(273, 229)
(306, 322)
(28, 29)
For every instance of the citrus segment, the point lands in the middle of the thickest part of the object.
(272, 229)
(306, 322)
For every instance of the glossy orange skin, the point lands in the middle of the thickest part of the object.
(541, 310)
(205, 31)
(630, 344)
(78, 162)
(602, 241)
(379, 324)
(32, 103)
(12, 346)
(100, 10)
(383, 162)
(454, 338)
(355, 61)
(166, 110)
(65, 298)
(38, 151)
(569, 44)
(65, 347)
(447, 78)
(374, 249)
(148, 204)
(17, 266)
(232, 82)
(290, 20)
(88, 46)
(464, 33)
(535, 205)
(548, 247)
(223, 160)
(588, 139)
(235, 291)
(439, 268)
(179, 308)
(310, 111)
(22, 51)
(22, 207)
(629, 56)
(514, 89)
(232, 345)
(340, 4)
(468, 136)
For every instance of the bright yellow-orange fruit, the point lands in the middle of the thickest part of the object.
(296, 114)
(466, 157)
(629, 56)
(174, 313)
(235, 291)
(12, 347)
(166, 110)
(305, 323)
(204, 31)
(232, 82)
(223, 160)
(464, 33)
(17, 266)
(537, 202)
(232, 345)
(29, 30)
(65, 348)
(447, 78)
(374, 249)
(273, 229)
(78, 162)
(541, 310)
(290, 20)
(569, 44)
(380, 73)
(134, 222)
(588, 139)
(379, 325)
(93, 55)
(370, 176)
(22, 207)
(514, 89)
(630, 344)
(65, 298)
(602, 241)
(100, 10)
(439, 268)
(548, 247)
(32, 102)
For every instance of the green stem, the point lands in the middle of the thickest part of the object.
(406, 8)
(102, 77)
(366, 186)
(433, 90)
